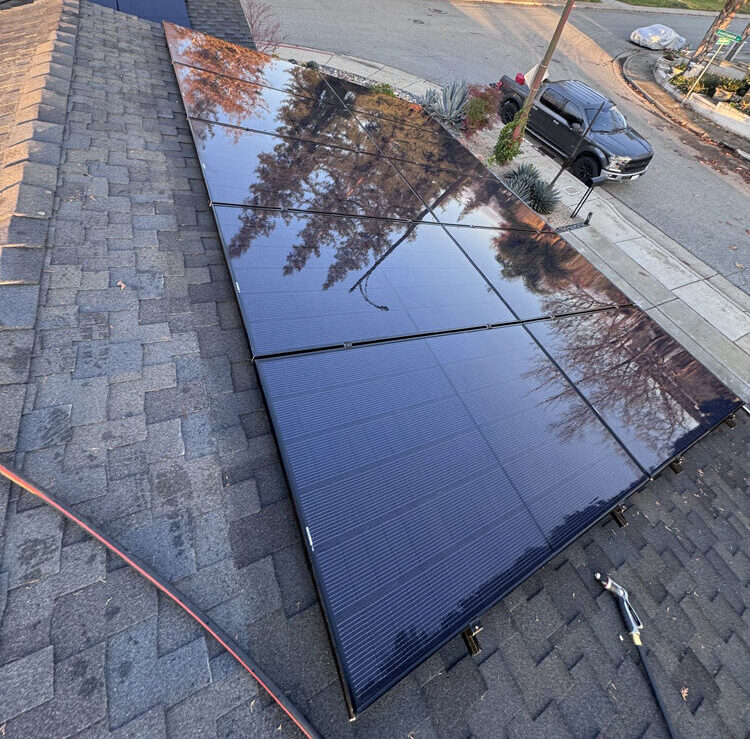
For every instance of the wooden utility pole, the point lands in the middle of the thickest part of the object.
(541, 72)
(722, 20)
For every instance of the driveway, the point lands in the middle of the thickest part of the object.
(689, 192)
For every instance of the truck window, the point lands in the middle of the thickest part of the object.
(572, 114)
(553, 101)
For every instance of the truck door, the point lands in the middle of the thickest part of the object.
(546, 115)
(572, 128)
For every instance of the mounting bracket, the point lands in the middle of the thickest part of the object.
(470, 637)
(618, 513)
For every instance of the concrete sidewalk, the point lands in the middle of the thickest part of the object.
(705, 312)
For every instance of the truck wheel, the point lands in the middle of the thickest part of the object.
(508, 111)
(586, 168)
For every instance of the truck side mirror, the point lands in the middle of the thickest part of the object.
(577, 126)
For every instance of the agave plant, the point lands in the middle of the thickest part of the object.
(543, 197)
(526, 182)
(521, 185)
(521, 180)
(449, 104)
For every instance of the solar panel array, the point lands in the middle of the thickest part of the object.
(169, 10)
(456, 392)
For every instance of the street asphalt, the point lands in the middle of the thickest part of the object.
(689, 191)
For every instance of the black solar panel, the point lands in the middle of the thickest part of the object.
(313, 280)
(249, 168)
(434, 464)
(537, 273)
(212, 54)
(655, 396)
(169, 10)
(465, 475)
(214, 97)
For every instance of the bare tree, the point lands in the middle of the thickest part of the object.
(264, 28)
(745, 36)
(722, 20)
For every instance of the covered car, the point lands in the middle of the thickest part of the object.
(657, 37)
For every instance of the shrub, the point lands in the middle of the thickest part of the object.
(709, 82)
(481, 108)
(526, 182)
(312, 64)
(505, 148)
(476, 115)
(449, 105)
(384, 88)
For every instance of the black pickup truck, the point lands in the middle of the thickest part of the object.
(563, 110)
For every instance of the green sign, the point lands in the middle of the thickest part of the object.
(726, 37)
(723, 41)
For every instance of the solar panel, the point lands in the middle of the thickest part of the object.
(537, 272)
(465, 476)
(214, 97)
(313, 280)
(434, 465)
(172, 10)
(372, 102)
(656, 397)
(420, 145)
(249, 168)
(468, 200)
(196, 49)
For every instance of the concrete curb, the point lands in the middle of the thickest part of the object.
(622, 64)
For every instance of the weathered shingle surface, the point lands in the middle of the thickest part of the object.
(143, 411)
(222, 18)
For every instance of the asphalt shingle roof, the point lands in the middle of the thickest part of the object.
(142, 410)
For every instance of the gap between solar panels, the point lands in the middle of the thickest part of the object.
(456, 392)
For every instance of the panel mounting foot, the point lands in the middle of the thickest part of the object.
(618, 513)
(470, 637)
(676, 465)
(731, 421)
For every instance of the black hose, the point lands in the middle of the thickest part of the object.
(642, 654)
(169, 590)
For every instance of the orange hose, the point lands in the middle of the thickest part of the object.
(227, 642)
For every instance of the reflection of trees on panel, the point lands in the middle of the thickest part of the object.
(632, 367)
(208, 52)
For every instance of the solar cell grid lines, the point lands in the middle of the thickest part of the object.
(456, 392)
(461, 418)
